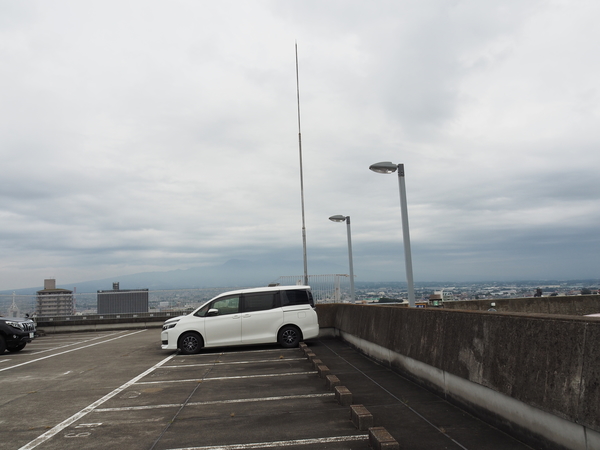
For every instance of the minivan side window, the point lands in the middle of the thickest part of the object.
(260, 301)
(228, 305)
(296, 297)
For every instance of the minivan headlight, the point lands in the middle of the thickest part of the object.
(167, 326)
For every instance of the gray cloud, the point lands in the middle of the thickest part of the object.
(141, 136)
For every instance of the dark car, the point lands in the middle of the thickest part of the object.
(15, 333)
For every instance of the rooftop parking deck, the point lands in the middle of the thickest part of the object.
(119, 390)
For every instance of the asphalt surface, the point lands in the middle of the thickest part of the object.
(120, 390)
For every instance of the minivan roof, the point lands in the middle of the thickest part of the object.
(263, 289)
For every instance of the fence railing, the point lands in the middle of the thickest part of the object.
(133, 317)
(331, 288)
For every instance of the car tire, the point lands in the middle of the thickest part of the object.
(17, 348)
(289, 336)
(2, 345)
(190, 343)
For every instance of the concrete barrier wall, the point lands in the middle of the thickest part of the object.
(544, 363)
(578, 305)
(113, 324)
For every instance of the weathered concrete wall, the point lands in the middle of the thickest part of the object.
(578, 305)
(545, 362)
(81, 325)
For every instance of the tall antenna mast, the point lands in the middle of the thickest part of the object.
(301, 173)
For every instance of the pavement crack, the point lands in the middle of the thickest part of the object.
(183, 405)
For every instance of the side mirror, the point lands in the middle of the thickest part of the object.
(212, 312)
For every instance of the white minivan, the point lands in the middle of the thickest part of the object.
(283, 314)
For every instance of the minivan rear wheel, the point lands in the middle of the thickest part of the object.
(190, 343)
(289, 336)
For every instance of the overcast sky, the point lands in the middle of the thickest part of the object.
(151, 135)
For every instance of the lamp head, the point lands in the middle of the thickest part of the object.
(384, 167)
(338, 218)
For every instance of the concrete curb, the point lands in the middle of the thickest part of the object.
(331, 381)
(361, 417)
(343, 395)
(379, 437)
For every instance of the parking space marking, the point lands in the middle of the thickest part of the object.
(239, 377)
(224, 363)
(216, 402)
(279, 444)
(69, 351)
(211, 351)
(70, 343)
(75, 417)
(40, 348)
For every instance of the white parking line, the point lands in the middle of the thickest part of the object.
(279, 444)
(247, 352)
(69, 351)
(197, 380)
(223, 363)
(64, 424)
(216, 402)
(70, 343)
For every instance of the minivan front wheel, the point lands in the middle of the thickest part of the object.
(289, 336)
(190, 343)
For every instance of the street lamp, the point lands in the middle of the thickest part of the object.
(346, 219)
(388, 167)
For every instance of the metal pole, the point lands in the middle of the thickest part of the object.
(301, 174)
(352, 297)
(406, 237)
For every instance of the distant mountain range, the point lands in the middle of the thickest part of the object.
(245, 273)
(233, 273)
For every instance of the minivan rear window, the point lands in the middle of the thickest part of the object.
(260, 301)
(296, 297)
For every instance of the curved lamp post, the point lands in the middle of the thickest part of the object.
(346, 219)
(388, 167)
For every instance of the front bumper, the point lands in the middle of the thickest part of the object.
(18, 337)
(164, 341)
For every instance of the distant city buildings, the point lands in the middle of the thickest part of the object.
(54, 302)
(438, 297)
(122, 301)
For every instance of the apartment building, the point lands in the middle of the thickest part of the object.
(54, 302)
